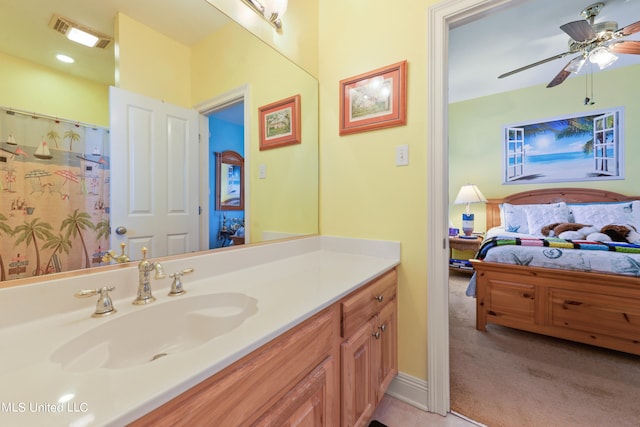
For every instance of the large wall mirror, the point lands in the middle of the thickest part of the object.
(24, 29)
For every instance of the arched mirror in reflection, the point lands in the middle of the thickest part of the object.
(229, 181)
(60, 91)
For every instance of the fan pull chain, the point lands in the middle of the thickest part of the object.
(589, 78)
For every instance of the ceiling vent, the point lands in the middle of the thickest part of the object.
(64, 25)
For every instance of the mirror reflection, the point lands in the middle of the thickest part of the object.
(229, 181)
(284, 203)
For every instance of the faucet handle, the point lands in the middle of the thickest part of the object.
(111, 255)
(176, 285)
(104, 306)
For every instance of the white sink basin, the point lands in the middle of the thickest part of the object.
(155, 331)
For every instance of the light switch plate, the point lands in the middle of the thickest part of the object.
(402, 155)
(262, 171)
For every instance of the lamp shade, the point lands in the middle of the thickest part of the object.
(469, 194)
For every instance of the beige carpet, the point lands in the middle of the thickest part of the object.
(505, 377)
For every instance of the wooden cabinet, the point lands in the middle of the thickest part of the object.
(369, 350)
(293, 380)
(330, 370)
(385, 349)
(308, 403)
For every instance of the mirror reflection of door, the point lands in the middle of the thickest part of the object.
(157, 207)
(226, 151)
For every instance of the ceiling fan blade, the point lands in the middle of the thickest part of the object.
(572, 66)
(535, 64)
(580, 31)
(559, 78)
(628, 46)
(629, 29)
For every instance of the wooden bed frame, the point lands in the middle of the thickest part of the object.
(593, 308)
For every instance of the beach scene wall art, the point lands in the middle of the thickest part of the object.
(585, 147)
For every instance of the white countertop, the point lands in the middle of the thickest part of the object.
(291, 281)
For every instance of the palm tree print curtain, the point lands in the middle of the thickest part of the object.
(54, 195)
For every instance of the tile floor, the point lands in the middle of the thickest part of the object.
(395, 413)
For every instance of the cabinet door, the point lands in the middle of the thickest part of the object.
(385, 347)
(309, 403)
(357, 391)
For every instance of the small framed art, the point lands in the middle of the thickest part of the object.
(280, 123)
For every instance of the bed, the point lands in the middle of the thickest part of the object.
(592, 307)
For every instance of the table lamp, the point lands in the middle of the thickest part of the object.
(468, 194)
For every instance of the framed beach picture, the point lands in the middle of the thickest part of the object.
(585, 147)
(374, 100)
(280, 123)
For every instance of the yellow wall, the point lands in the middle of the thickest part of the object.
(27, 86)
(298, 38)
(363, 193)
(227, 60)
(475, 133)
(152, 64)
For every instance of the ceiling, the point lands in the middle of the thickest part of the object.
(479, 50)
(514, 36)
(25, 32)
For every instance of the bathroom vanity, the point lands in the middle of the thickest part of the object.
(301, 331)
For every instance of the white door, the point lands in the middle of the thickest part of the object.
(154, 176)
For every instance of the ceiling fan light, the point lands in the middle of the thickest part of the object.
(576, 65)
(602, 57)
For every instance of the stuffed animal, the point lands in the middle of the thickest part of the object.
(608, 233)
(622, 233)
(568, 230)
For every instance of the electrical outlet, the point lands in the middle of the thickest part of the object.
(402, 155)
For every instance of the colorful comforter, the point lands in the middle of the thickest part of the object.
(580, 255)
(554, 242)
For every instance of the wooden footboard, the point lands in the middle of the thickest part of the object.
(592, 308)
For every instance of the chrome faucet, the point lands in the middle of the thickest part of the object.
(176, 285)
(144, 280)
(104, 306)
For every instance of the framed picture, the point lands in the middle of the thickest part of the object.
(581, 147)
(374, 100)
(280, 123)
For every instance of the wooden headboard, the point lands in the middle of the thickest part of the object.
(552, 195)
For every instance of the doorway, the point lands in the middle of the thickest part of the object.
(226, 133)
(224, 122)
(440, 17)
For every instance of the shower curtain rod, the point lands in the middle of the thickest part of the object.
(12, 111)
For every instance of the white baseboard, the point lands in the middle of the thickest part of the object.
(410, 390)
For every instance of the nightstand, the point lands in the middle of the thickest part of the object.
(462, 244)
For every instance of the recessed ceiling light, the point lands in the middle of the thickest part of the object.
(82, 37)
(65, 58)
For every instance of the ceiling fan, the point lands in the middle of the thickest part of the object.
(596, 42)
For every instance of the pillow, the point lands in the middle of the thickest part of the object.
(601, 214)
(540, 215)
(514, 217)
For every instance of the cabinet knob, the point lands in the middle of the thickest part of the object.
(379, 298)
(376, 335)
(383, 327)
